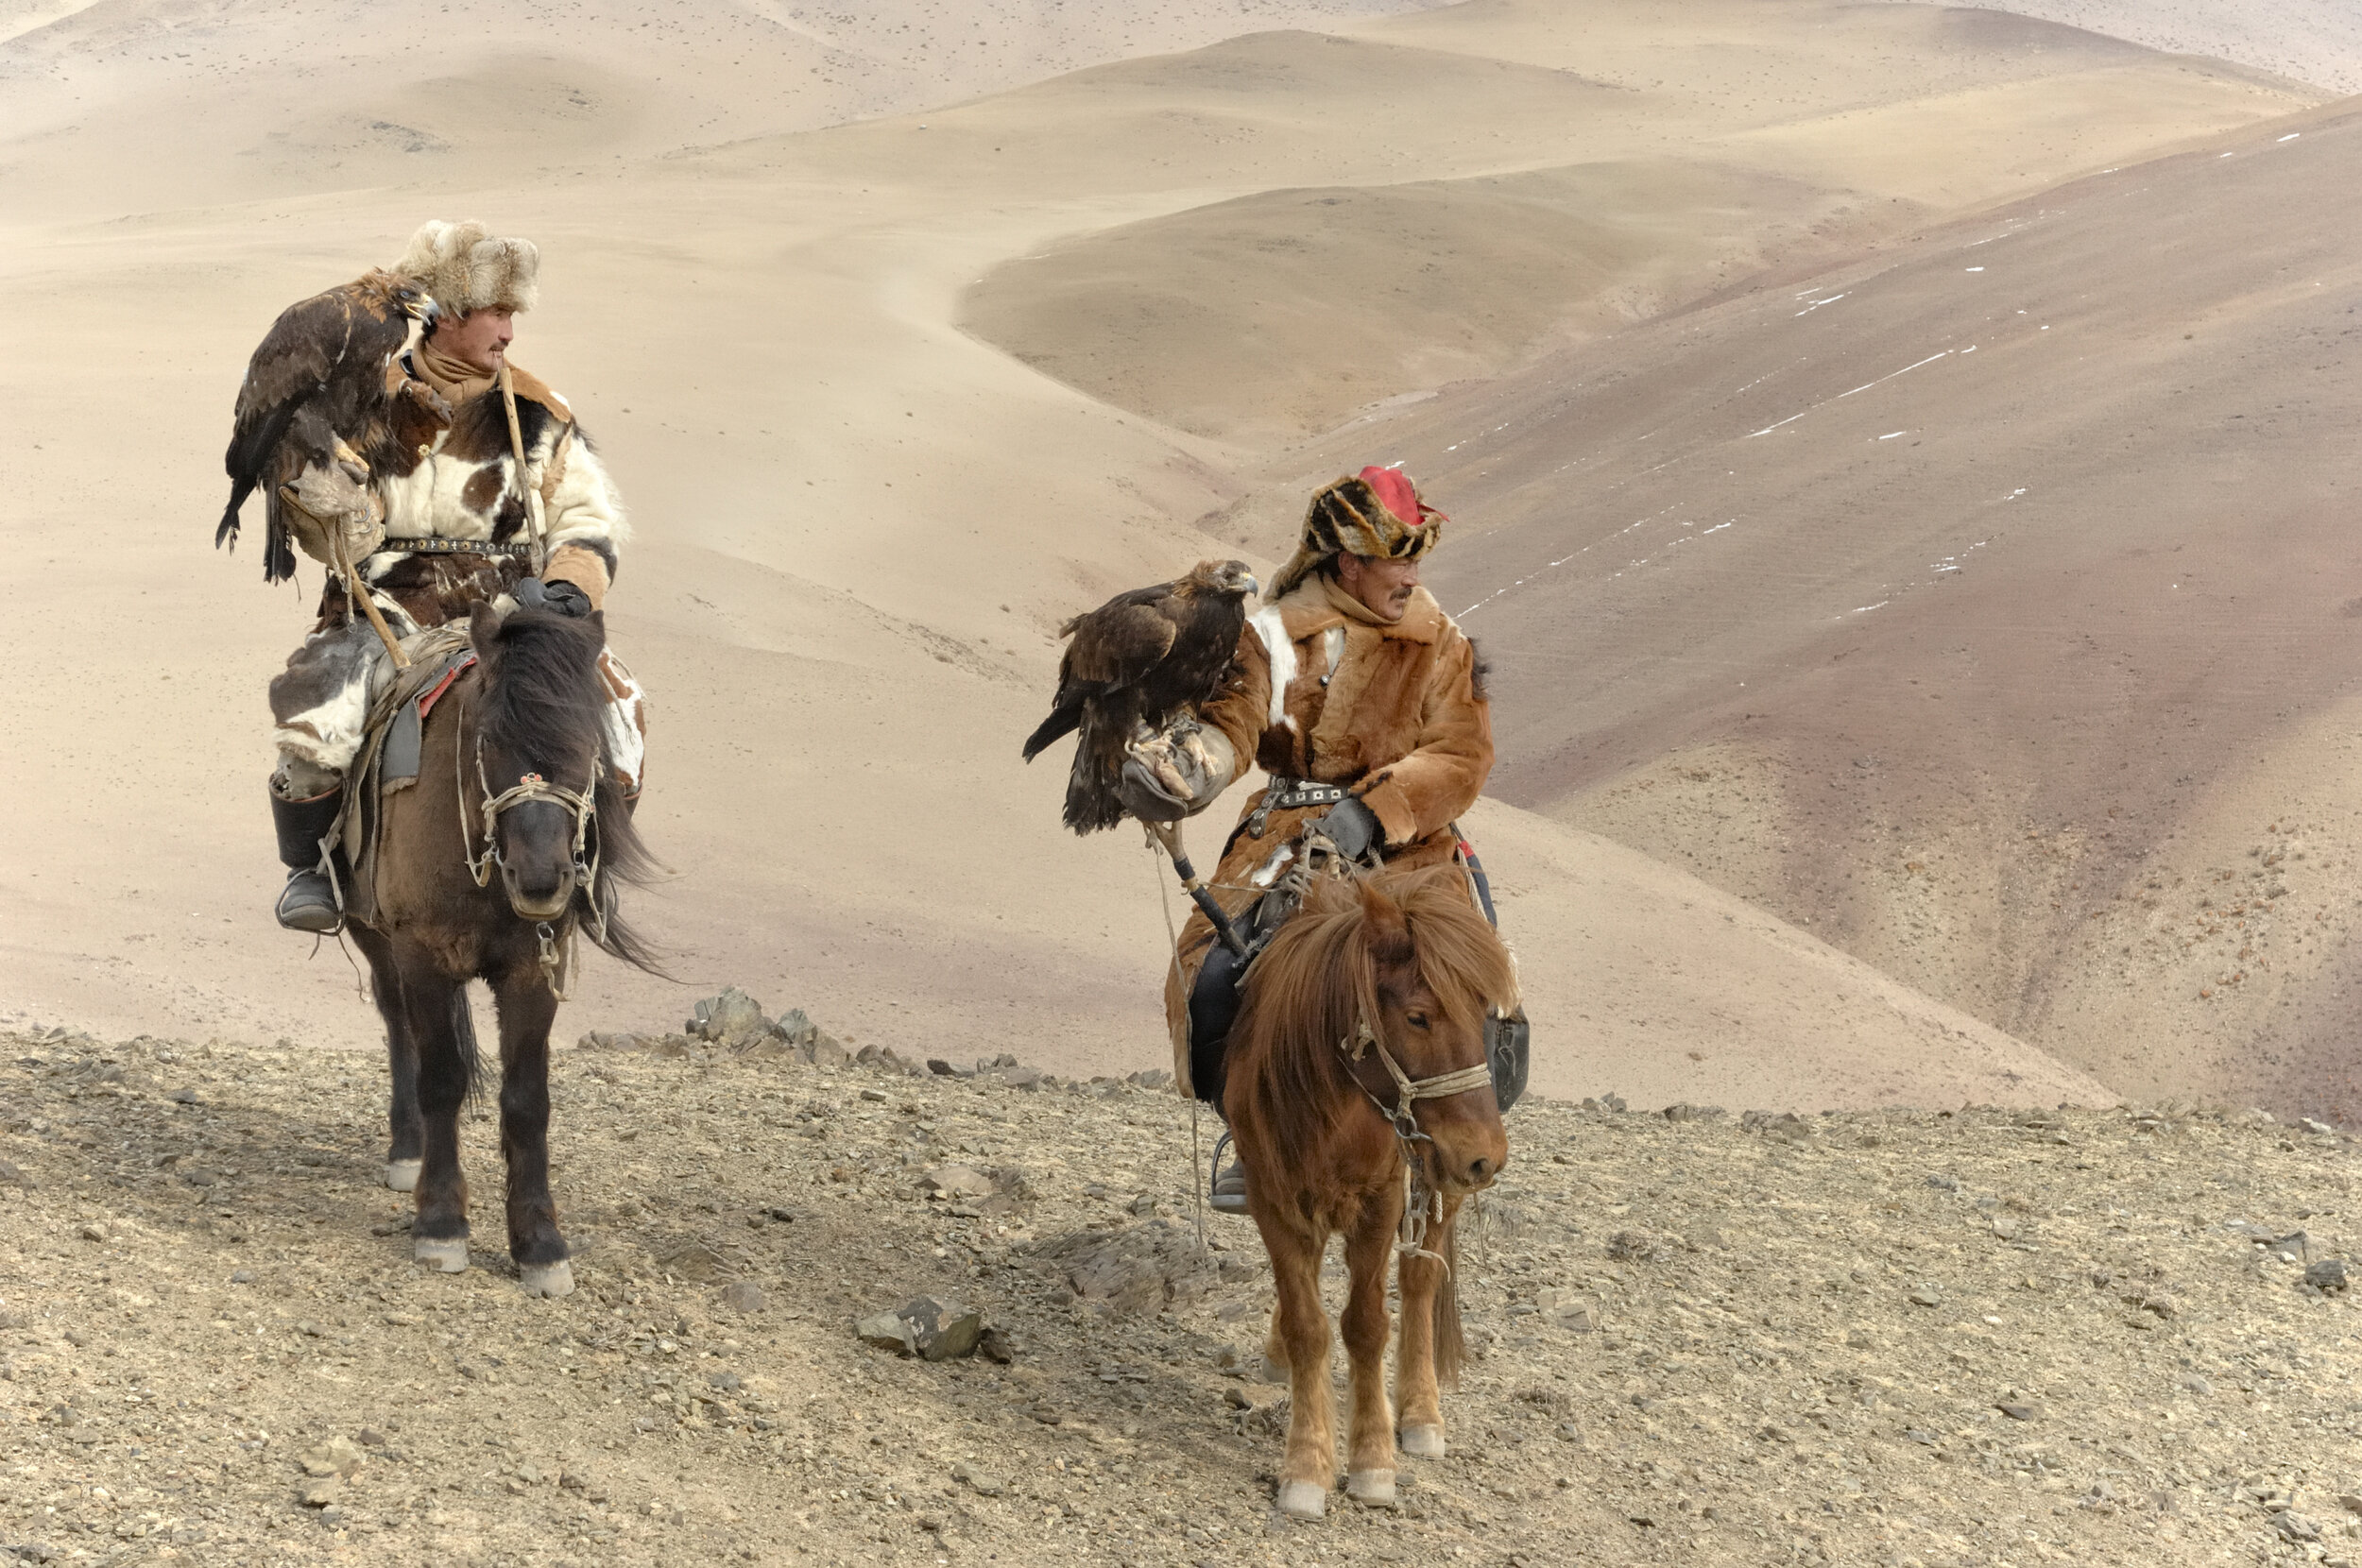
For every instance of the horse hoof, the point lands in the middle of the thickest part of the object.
(451, 1257)
(1373, 1487)
(547, 1279)
(402, 1175)
(1303, 1500)
(1425, 1442)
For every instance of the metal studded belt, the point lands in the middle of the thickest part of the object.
(1286, 794)
(452, 547)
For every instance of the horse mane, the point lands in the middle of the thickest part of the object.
(1318, 981)
(542, 699)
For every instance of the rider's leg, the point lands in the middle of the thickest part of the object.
(1214, 1007)
(320, 703)
(304, 798)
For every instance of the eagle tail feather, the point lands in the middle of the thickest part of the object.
(226, 532)
(1062, 720)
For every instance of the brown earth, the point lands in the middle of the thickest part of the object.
(1892, 1337)
(1985, 606)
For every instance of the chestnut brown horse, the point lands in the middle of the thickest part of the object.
(1359, 1091)
(514, 835)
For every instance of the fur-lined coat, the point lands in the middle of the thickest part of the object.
(464, 486)
(1323, 690)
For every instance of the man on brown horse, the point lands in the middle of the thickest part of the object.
(1365, 704)
(458, 530)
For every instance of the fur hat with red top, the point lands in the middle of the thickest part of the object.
(1377, 512)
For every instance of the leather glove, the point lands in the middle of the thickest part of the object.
(1174, 772)
(1352, 827)
(1147, 798)
(557, 598)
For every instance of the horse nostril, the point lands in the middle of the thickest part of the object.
(1479, 1169)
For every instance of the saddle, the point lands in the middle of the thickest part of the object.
(387, 761)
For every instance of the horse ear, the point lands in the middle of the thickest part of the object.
(484, 628)
(1384, 927)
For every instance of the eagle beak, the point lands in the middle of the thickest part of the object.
(428, 312)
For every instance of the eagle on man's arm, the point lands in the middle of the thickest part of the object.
(317, 413)
(1132, 667)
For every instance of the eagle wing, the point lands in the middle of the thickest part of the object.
(1122, 642)
(325, 355)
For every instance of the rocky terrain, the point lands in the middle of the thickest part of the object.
(1953, 1336)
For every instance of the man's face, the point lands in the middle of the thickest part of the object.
(479, 338)
(1382, 586)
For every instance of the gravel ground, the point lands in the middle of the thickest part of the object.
(1952, 1337)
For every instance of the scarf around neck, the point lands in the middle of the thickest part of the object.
(455, 378)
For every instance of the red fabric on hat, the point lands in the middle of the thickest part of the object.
(1395, 492)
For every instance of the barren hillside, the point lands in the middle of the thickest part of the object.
(1985, 607)
(1953, 1339)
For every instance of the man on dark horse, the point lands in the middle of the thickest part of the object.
(457, 531)
(1363, 702)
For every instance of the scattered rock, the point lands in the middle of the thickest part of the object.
(978, 1481)
(925, 1328)
(1925, 1295)
(2016, 1411)
(731, 1019)
(956, 1181)
(2296, 1526)
(1137, 1268)
(321, 1493)
(740, 1296)
(996, 1346)
(2320, 1129)
(2328, 1277)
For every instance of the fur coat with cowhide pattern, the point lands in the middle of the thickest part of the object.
(1321, 690)
(463, 486)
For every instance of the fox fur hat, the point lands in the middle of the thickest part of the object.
(466, 268)
(1377, 512)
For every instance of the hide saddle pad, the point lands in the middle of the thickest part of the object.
(388, 759)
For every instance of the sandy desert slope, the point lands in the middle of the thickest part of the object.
(858, 524)
(1987, 606)
(1678, 152)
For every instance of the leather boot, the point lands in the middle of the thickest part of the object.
(308, 903)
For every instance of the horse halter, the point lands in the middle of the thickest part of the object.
(1421, 1206)
(580, 804)
(1410, 1090)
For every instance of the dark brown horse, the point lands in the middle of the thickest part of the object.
(513, 839)
(1357, 1070)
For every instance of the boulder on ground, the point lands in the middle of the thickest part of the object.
(925, 1328)
(733, 1019)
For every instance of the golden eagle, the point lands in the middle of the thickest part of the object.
(315, 415)
(1133, 665)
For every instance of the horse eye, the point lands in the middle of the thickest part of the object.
(1417, 1020)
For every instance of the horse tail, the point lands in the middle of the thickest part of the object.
(1452, 1346)
(463, 1040)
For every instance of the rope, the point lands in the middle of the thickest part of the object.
(1197, 1158)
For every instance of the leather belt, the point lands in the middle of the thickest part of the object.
(452, 547)
(1286, 794)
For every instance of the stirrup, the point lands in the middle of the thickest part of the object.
(308, 903)
(1230, 1188)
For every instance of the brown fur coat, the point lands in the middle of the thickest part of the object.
(1400, 718)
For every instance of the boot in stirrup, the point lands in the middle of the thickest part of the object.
(1229, 1191)
(308, 902)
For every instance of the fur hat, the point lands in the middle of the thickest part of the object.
(466, 269)
(1377, 512)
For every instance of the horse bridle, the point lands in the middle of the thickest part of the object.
(1409, 1090)
(579, 804)
(1421, 1206)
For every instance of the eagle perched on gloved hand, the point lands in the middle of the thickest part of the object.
(1134, 665)
(315, 418)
